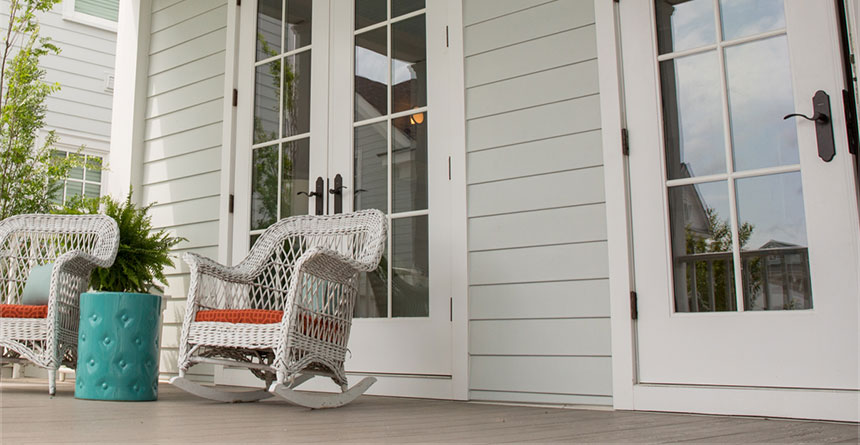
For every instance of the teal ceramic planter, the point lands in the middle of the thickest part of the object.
(118, 346)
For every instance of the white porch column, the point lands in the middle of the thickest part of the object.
(129, 99)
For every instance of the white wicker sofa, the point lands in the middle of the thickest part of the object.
(75, 244)
(285, 311)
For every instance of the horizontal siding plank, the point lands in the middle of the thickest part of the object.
(196, 163)
(98, 59)
(532, 56)
(186, 74)
(576, 151)
(539, 227)
(180, 268)
(193, 28)
(580, 337)
(520, 26)
(180, 143)
(557, 119)
(564, 189)
(186, 212)
(77, 124)
(557, 375)
(545, 263)
(555, 85)
(529, 397)
(184, 97)
(158, 5)
(98, 99)
(184, 53)
(73, 66)
(197, 235)
(94, 113)
(479, 10)
(585, 298)
(181, 11)
(174, 309)
(189, 118)
(78, 35)
(75, 80)
(183, 189)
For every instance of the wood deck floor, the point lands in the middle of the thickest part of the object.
(28, 414)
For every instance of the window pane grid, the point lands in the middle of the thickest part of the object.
(751, 265)
(84, 181)
(373, 114)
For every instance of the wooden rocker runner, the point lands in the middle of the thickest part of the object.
(285, 311)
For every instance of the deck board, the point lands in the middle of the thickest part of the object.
(28, 414)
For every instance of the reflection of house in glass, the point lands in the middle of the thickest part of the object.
(776, 277)
(406, 170)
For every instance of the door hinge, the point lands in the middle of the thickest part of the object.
(625, 142)
(235, 97)
(238, 2)
(451, 309)
(230, 204)
(449, 168)
(634, 305)
(447, 42)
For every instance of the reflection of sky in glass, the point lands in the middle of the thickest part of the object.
(760, 94)
(773, 204)
(372, 65)
(692, 114)
(682, 26)
(743, 18)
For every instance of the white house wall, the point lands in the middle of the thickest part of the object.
(182, 148)
(80, 112)
(539, 294)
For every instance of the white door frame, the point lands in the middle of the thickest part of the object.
(628, 393)
(457, 387)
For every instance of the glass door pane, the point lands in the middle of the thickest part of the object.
(390, 151)
(281, 112)
(732, 166)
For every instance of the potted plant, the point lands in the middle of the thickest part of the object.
(118, 336)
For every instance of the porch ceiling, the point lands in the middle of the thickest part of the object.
(28, 414)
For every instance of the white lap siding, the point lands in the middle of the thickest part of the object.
(539, 294)
(80, 113)
(182, 149)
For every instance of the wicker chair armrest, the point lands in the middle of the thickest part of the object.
(80, 263)
(329, 264)
(201, 264)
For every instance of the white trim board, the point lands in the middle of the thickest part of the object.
(616, 197)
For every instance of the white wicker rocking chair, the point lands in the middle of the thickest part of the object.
(285, 311)
(76, 244)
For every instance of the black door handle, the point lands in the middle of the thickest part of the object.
(318, 193)
(337, 191)
(823, 125)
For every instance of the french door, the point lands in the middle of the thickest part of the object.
(745, 229)
(342, 109)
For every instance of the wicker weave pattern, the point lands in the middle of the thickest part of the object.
(305, 266)
(76, 244)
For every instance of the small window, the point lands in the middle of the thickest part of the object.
(99, 13)
(86, 180)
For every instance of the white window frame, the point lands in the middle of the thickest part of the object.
(71, 15)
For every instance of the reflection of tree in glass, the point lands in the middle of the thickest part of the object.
(718, 239)
(264, 180)
(265, 166)
(411, 299)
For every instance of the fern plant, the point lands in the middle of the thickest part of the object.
(143, 253)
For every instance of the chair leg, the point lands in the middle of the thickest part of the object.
(52, 381)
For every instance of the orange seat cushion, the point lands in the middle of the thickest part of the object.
(253, 316)
(23, 311)
(310, 325)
